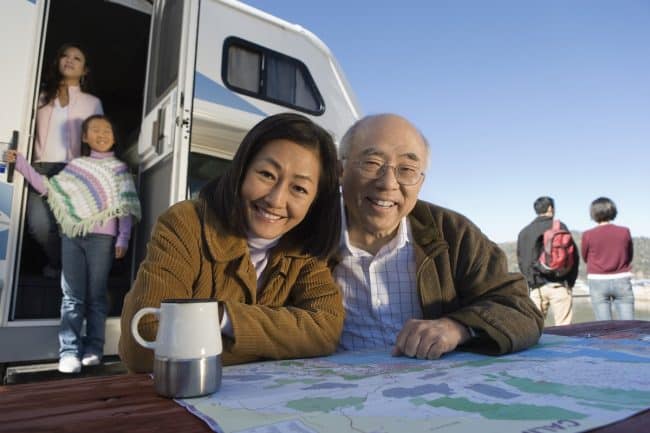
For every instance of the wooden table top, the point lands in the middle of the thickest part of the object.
(128, 402)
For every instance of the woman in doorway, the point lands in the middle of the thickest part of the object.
(257, 240)
(607, 250)
(63, 105)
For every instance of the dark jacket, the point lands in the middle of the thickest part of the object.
(529, 247)
(463, 275)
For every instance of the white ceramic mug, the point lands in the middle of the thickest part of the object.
(187, 349)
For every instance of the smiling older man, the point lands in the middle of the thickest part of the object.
(419, 279)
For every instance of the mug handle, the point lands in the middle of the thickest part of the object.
(134, 326)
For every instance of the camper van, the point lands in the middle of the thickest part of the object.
(183, 80)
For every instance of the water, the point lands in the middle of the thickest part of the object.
(583, 312)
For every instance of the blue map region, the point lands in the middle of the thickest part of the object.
(417, 391)
(370, 357)
(374, 357)
(582, 348)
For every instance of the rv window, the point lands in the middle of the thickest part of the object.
(266, 74)
(166, 39)
(244, 69)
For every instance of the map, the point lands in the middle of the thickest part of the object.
(563, 384)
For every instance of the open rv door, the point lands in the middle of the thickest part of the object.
(21, 23)
(164, 142)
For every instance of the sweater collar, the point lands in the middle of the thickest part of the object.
(101, 155)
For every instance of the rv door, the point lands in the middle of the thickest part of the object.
(164, 142)
(20, 30)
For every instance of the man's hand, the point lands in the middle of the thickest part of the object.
(429, 339)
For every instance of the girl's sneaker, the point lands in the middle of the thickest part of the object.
(90, 359)
(69, 364)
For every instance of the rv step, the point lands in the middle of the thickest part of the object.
(48, 371)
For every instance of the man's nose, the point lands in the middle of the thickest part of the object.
(388, 178)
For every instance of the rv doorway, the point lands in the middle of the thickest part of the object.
(115, 37)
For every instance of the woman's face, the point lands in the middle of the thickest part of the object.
(99, 135)
(72, 64)
(279, 186)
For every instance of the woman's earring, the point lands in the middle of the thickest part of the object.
(82, 80)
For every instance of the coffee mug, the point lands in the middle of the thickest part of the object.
(187, 349)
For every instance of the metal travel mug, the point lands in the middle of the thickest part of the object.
(187, 349)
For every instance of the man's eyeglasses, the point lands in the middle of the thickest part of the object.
(404, 174)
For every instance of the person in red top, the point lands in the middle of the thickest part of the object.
(607, 249)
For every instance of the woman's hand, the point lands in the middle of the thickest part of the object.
(9, 156)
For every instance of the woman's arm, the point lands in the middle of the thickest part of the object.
(305, 320)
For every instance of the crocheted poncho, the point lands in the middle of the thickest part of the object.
(90, 191)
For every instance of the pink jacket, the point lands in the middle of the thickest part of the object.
(81, 106)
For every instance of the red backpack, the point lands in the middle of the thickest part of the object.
(556, 258)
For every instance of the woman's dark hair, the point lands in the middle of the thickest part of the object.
(53, 76)
(603, 210)
(319, 231)
(85, 149)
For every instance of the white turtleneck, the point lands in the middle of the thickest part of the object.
(259, 250)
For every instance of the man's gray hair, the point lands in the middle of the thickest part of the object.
(352, 134)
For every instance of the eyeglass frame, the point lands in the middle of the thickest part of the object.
(382, 171)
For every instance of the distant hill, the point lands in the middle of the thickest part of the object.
(640, 264)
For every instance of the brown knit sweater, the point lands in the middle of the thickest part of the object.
(298, 313)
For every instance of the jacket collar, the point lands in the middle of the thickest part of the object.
(426, 233)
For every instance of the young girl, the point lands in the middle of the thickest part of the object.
(93, 200)
(63, 105)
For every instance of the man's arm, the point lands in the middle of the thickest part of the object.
(468, 286)
(492, 300)
(479, 292)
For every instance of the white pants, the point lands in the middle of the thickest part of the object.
(556, 296)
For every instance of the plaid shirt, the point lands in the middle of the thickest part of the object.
(379, 292)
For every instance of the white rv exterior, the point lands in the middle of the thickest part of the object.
(213, 69)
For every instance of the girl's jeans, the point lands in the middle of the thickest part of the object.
(617, 292)
(86, 262)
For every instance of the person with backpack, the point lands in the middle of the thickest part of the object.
(549, 259)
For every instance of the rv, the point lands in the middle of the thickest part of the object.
(183, 80)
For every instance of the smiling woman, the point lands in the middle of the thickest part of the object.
(279, 187)
(249, 242)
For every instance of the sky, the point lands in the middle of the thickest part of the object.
(518, 98)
